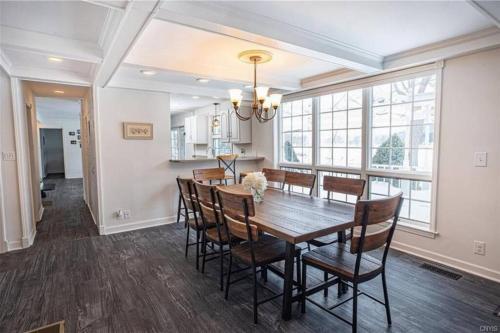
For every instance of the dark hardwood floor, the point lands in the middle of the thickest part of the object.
(139, 281)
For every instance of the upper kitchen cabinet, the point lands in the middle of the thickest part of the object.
(196, 129)
(234, 130)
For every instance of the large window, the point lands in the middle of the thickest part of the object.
(340, 122)
(294, 188)
(296, 134)
(221, 148)
(382, 130)
(174, 141)
(336, 196)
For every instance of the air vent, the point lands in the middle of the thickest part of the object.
(441, 271)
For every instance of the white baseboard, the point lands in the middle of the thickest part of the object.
(14, 245)
(107, 230)
(473, 269)
(72, 176)
(40, 213)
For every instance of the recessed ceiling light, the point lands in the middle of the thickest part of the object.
(202, 80)
(55, 59)
(248, 86)
(148, 72)
(196, 97)
(58, 92)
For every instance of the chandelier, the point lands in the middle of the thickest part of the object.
(264, 107)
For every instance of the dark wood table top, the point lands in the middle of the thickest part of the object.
(298, 218)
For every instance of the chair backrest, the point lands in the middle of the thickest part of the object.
(343, 185)
(306, 180)
(208, 175)
(236, 208)
(275, 176)
(186, 191)
(228, 162)
(207, 202)
(371, 212)
(227, 157)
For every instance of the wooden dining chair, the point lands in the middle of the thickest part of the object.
(228, 163)
(300, 179)
(211, 216)
(275, 176)
(209, 175)
(257, 250)
(349, 262)
(190, 215)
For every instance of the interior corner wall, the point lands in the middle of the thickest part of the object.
(8, 171)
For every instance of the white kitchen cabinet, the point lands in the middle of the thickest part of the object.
(234, 130)
(196, 129)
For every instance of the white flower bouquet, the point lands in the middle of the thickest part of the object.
(256, 182)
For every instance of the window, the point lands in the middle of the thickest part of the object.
(381, 130)
(297, 189)
(416, 194)
(402, 125)
(296, 132)
(340, 122)
(336, 196)
(174, 135)
(221, 148)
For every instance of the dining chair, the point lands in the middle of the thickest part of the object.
(209, 175)
(190, 215)
(228, 163)
(211, 216)
(275, 176)
(349, 262)
(257, 250)
(300, 179)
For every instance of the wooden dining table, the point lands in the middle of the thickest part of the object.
(297, 218)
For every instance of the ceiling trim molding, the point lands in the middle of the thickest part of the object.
(51, 76)
(486, 13)
(106, 4)
(108, 30)
(35, 42)
(453, 47)
(328, 78)
(5, 62)
(135, 19)
(259, 29)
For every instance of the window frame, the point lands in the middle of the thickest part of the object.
(365, 171)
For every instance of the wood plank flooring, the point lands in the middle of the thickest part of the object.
(139, 281)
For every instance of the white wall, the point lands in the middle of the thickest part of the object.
(72, 153)
(137, 174)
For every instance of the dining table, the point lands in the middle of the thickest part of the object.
(298, 218)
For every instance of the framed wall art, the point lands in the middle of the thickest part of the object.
(138, 131)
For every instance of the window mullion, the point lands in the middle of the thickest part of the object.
(365, 137)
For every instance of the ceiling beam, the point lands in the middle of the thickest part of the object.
(107, 4)
(35, 42)
(5, 62)
(136, 17)
(224, 20)
(50, 75)
(489, 9)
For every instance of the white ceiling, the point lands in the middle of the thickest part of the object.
(381, 27)
(57, 108)
(181, 102)
(69, 19)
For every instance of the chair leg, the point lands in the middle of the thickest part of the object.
(221, 248)
(255, 313)
(197, 249)
(303, 295)
(204, 251)
(355, 308)
(228, 281)
(263, 273)
(299, 277)
(386, 299)
(325, 278)
(339, 289)
(179, 210)
(187, 241)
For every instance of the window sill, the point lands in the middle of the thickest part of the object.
(407, 226)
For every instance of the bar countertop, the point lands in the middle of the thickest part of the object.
(208, 159)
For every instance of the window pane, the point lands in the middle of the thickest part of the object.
(421, 191)
(425, 88)
(379, 185)
(307, 106)
(340, 119)
(381, 158)
(381, 137)
(422, 160)
(340, 157)
(400, 137)
(402, 91)
(423, 113)
(325, 156)
(325, 103)
(296, 123)
(340, 138)
(326, 138)
(297, 139)
(308, 122)
(401, 114)
(340, 101)
(420, 211)
(307, 156)
(355, 98)
(354, 157)
(354, 138)
(399, 185)
(355, 118)
(286, 109)
(287, 124)
(325, 121)
(307, 137)
(381, 116)
(381, 95)
(422, 136)
(296, 108)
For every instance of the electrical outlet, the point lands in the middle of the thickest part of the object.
(480, 159)
(9, 156)
(126, 214)
(479, 248)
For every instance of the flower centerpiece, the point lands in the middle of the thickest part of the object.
(256, 182)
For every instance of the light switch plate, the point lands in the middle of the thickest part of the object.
(9, 156)
(480, 159)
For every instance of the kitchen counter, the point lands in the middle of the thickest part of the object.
(208, 159)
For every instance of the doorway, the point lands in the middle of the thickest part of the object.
(51, 152)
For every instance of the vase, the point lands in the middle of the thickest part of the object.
(258, 196)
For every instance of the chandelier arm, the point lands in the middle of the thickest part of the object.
(240, 117)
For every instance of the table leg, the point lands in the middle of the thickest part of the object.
(286, 313)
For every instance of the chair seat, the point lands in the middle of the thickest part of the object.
(267, 249)
(192, 224)
(213, 235)
(337, 259)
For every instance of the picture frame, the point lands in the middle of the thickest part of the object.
(137, 131)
